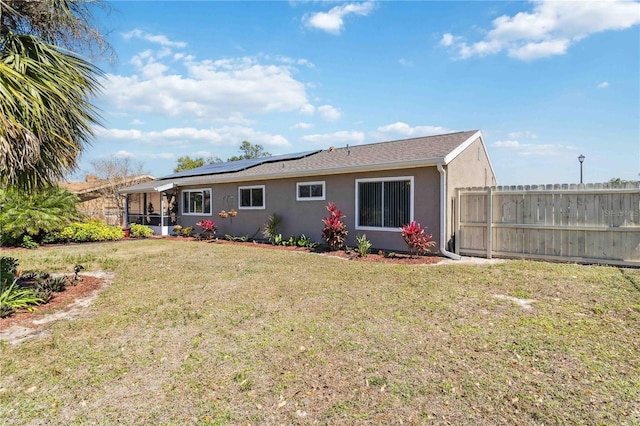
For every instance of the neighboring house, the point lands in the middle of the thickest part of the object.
(379, 187)
(99, 198)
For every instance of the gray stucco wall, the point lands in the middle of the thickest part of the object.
(305, 217)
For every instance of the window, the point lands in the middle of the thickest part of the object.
(308, 191)
(384, 204)
(196, 201)
(251, 197)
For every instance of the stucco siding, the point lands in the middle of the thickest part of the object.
(305, 217)
(470, 168)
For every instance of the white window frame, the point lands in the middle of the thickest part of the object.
(202, 190)
(264, 198)
(311, 198)
(383, 179)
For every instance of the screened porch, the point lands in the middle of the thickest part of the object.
(157, 209)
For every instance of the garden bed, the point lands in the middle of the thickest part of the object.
(87, 286)
(376, 256)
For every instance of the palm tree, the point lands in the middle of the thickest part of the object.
(46, 118)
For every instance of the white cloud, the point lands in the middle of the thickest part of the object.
(225, 136)
(307, 109)
(333, 21)
(205, 154)
(531, 51)
(447, 39)
(332, 139)
(400, 128)
(288, 60)
(534, 150)
(160, 155)
(209, 89)
(603, 85)
(507, 144)
(153, 38)
(549, 29)
(526, 134)
(329, 113)
(302, 125)
(124, 154)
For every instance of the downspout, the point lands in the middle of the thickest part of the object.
(443, 214)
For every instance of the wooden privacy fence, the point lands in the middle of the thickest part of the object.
(595, 223)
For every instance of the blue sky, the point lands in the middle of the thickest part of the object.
(544, 81)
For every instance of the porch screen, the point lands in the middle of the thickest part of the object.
(384, 204)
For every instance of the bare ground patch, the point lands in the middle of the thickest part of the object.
(66, 305)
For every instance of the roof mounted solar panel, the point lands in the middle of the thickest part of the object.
(237, 166)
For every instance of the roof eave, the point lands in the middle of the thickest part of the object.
(429, 162)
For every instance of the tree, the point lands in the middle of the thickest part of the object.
(117, 173)
(248, 151)
(188, 163)
(46, 118)
(35, 214)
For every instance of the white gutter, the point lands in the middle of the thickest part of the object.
(165, 187)
(443, 214)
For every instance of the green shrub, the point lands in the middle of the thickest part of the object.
(55, 285)
(187, 231)
(18, 297)
(8, 268)
(93, 230)
(140, 231)
(45, 295)
(237, 239)
(364, 245)
(5, 310)
(35, 214)
(28, 243)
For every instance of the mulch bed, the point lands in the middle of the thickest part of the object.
(376, 256)
(60, 300)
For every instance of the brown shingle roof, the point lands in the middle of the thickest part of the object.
(358, 157)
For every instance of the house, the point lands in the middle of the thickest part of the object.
(99, 198)
(379, 187)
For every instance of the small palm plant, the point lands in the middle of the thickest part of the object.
(272, 228)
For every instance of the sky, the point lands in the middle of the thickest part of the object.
(544, 81)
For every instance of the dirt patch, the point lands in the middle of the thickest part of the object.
(67, 305)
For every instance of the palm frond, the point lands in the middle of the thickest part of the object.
(45, 112)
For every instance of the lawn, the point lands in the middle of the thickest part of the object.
(204, 333)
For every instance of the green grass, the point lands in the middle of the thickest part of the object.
(205, 333)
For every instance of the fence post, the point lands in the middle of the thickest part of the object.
(489, 222)
(456, 224)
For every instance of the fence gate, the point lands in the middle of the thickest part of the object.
(594, 223)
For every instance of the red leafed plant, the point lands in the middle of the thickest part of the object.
(417, 239)
(335, 231)
(208, 227)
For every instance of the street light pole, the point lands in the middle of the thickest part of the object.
(581, 160)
